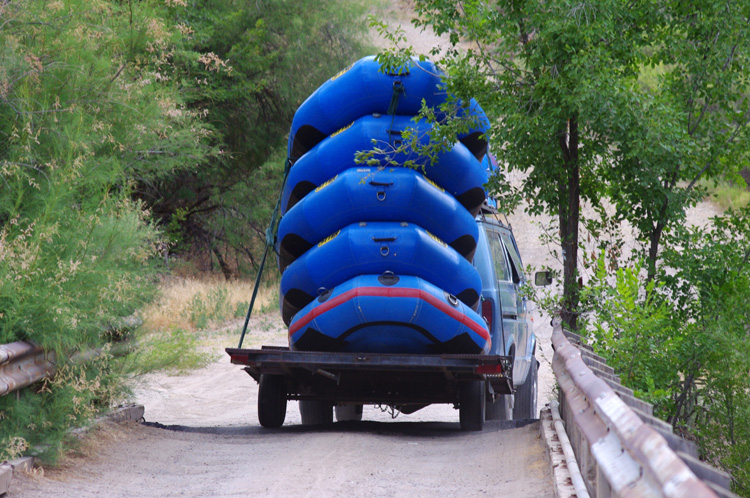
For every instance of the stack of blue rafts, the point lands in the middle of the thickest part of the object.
(379, 258)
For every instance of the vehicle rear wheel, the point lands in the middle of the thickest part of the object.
(315, 412)
(526, 394)
(271, 401)
(471, 405)
(500, 409)
(348, 413)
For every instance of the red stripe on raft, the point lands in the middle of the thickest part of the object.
(390, 292)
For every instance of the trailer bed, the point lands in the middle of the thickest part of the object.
(374, 377)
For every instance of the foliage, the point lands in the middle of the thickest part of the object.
(692, 125)
(84, 115)
(174, 350)
(245, 67)
(631, 102)
(632, 329)
(684, 344)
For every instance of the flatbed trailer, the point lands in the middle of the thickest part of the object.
(407, 382)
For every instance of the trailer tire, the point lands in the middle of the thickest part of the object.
(500, 409)
(348, 413)
(471, 405)
(271, 401)
(314, 412)
(526, 394)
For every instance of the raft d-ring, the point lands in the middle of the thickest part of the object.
(381, 195)
(452, 299)
(384, 250)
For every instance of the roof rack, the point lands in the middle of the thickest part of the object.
(486, 209)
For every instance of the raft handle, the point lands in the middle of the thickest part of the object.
(451, 299)
(384, 239)
(388, 278)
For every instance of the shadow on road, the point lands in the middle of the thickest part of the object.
(396, 429)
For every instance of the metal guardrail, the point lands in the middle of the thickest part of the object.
(620, 454)
(22, 364)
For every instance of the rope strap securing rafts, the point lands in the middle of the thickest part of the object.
(271, 233)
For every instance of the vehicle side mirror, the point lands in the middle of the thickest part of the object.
(543, 278)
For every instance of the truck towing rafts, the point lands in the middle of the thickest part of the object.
(400, 285)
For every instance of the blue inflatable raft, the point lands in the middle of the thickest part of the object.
(362, 89)
(374, 248)
(456, 169)
(389, 313)
(375, 194)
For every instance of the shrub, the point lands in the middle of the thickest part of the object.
(84, 114)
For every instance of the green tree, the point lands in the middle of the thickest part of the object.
(246, 67)
(691, 124)
(552, 76)
(572, 115)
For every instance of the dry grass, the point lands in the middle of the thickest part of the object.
(726, 195)
(197, 303)
(194, 317)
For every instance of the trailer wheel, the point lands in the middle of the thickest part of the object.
(526, 394)
(471, 405)
(348, 413)
(271, 400)
(500, 409)
(314, 412)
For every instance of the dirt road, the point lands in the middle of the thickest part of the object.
(412, 459)
(203, 439)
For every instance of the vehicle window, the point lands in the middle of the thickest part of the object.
(513, 257)
(498, 257)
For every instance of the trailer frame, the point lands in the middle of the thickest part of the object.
(406, 382)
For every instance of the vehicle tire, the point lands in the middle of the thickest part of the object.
(348, 413)
(500, 409)
(314, 412)
(271, 401)
(526, 394)
(471, 405)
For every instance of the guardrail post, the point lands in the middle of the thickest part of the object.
(603, 489)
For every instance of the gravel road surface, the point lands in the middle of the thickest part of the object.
(202, 438)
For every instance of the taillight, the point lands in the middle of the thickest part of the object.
(489, 369)
(487, 312)
(239, 359)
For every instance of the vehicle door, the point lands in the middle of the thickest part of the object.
(507, 289)
(522, 316)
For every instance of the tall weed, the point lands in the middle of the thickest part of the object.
(195, 304)
(86, 111)
(175, 350)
